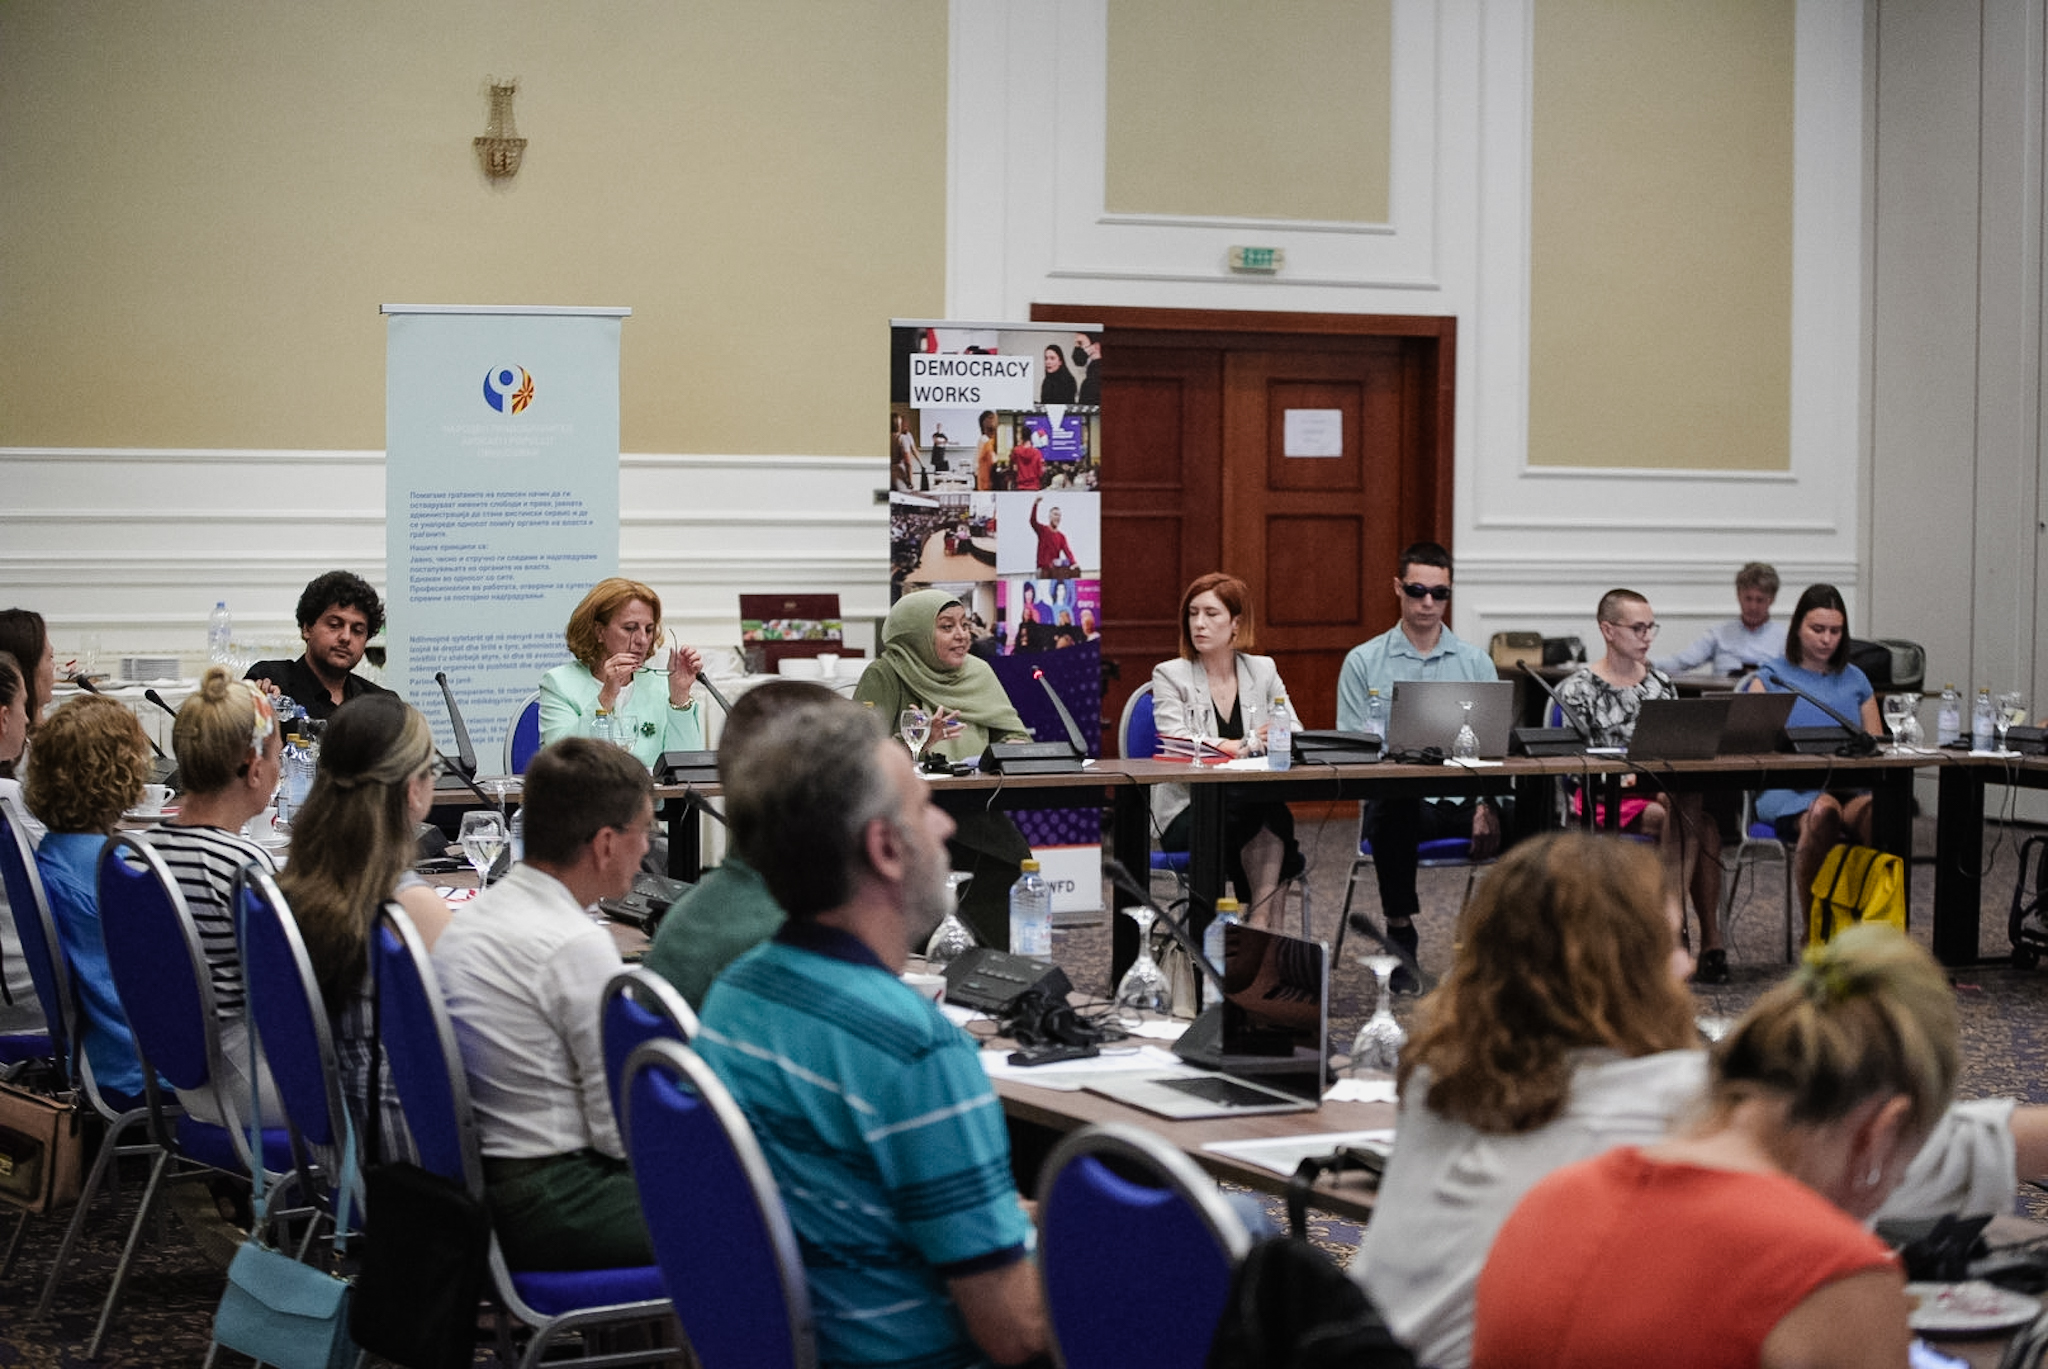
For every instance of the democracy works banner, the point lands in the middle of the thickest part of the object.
(501, 493)
(995, 436)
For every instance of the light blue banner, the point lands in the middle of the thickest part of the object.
(501, 492)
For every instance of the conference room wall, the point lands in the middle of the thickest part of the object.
(1537, 543)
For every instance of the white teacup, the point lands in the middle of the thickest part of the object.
(154, 797)
(932, 986)
(828, 665)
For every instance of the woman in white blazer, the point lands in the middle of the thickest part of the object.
(1217, 690)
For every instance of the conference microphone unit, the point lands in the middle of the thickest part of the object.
(465, 754)
(1552, 741)
(1820, 741)
(1039, 758)
(1123, 880)
(162, 770)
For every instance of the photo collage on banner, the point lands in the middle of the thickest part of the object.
(994, 459)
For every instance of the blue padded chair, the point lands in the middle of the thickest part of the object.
(37, 931)
(1138, 1249)
(291, 1022)
(522, 738)
(638, 1006)
(426, 1066)
(715, 1215)
(166, 991)
(1138, 739)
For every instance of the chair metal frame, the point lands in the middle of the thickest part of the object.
(532, 701)
(638, 1005)
(435, 1079)
(129, 869)
(659, 1062)
(1169, 1168)
(37, 927)
(1747, 852)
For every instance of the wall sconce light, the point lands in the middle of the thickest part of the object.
(500, 147)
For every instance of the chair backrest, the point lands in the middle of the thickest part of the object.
(287, 1010)
(425, 1061)
(159, 969)
(1128, 1221)
(1137, 739)
(639, 1005)
(714, 1214)
(29, 905)
(522, 738)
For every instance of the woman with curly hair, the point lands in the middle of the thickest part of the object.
(87, 767)
(1564, 1029)
(352, 851)
(612, 634)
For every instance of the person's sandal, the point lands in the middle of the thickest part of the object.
(1713, 967)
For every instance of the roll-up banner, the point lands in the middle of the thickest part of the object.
(995, 448)
(501, 493)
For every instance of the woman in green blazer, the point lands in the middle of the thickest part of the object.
(611, 634)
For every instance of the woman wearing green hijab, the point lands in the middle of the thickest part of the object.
(925, 661)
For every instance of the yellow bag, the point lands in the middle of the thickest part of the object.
(1856, 884)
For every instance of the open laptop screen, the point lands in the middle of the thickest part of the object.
(1275, 995)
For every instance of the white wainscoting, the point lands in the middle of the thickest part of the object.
(137, 544)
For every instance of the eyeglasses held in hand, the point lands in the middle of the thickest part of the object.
(1440, 593)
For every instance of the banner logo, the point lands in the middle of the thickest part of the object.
(508, 389)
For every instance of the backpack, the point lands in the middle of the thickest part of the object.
(1291, 1308)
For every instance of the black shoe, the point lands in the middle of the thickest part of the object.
(1292, 863)
(1713, 967)
(1404, 936)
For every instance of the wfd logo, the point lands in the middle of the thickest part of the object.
(508, 389)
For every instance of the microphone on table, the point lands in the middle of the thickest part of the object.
(712, 690)
(1858, 742)
(89, 687)
(1565, 710)
(1066, 718)
(158, 699)
(1122, 879)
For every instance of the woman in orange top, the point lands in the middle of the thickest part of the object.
(1741, 1241)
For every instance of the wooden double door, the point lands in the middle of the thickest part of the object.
(1197, 476)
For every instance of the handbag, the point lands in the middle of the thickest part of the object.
(1511, 649)
(276, 1309)
(425, 1252)
(1856, 884)
(42, 1148)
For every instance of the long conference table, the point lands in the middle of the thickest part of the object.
(1124, 787)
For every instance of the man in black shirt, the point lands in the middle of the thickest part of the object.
(338, 615)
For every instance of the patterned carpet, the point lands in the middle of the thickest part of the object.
(179, 1273)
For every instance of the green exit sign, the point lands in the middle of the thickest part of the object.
(1266, 259)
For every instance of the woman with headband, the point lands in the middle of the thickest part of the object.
(612, 634)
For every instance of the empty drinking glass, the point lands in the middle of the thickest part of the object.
(1466, 746)
(1378, 1043)
(913, 724)
(483, 840)
(2011, 711)
(950, 939)
(1144, 988)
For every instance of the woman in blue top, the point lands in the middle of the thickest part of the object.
(1817, 660)
(612, 633)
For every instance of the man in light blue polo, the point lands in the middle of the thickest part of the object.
(1742, 643)
(873, 1110)
(1419, 647)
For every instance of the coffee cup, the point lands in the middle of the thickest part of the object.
(154, 797)
(932, 986)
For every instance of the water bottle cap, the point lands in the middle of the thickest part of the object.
(1226, 904)
(1029, 867)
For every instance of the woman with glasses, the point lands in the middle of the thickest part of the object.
(1816, 659)
(1606, 698)
(612, 634)
(353, 846)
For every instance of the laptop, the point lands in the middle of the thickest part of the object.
(1756, 723)
(1274, 1019)
(1430, 712)
(1679, 729)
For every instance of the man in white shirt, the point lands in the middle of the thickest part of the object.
(523, 970)
(1743, 643)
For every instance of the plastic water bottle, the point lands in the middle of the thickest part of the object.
(604, 728)
(299, 762)
(1948, 722)
(1213, 939)
(518, 836)
(1982, 722)
(1280, 736)
(1375, 715)
(1031, 914)
(220, 632)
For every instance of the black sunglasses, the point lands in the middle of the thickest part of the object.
(1440, 593)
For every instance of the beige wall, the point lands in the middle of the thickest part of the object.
(205, 203)
(1276, 111)
(1661, 235)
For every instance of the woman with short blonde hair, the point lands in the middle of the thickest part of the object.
(612, 634)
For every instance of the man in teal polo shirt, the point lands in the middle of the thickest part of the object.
(1419, 647)
(873, 1110)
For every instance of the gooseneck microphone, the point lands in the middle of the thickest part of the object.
(158, 699)
(1122, 879)
(1565, 710)
(1858, 742)
(1066, 718)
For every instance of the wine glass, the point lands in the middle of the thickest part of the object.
(1466, 746)
(1378, 1043)
(483, 840)
(1897, 708)
(950, 939)
(1143, 988)
(2010, 711)
(913, 724)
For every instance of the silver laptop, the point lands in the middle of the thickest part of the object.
(1275, 1014)
(1430, 712)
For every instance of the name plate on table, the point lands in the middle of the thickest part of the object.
(1031, 758)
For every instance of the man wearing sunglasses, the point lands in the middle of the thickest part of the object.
(1419, 647)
